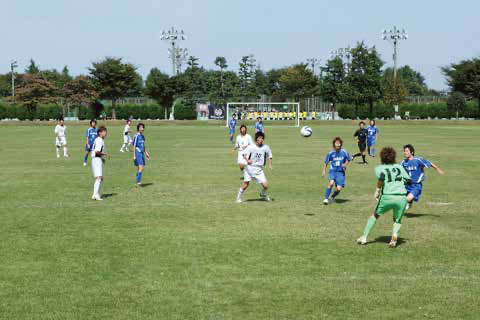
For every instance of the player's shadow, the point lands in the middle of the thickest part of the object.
(340, 201)
(144, 185)
(386, 239)
(258, 199)
(108, 195)
(309, 214)
(419, 215)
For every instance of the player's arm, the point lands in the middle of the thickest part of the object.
(270, 163)
(437, 168)
(324, 169)
(378, 190)
(134, 148)
(147, 154)
(245, 156)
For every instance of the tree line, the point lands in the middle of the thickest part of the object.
(360, 80)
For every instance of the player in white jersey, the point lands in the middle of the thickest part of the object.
(241, 143)
(127, 139)
(61, 138)
(256, 156)
(98, 160)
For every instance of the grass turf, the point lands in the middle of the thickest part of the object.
(180, 248)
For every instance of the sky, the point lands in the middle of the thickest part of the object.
(278, 33)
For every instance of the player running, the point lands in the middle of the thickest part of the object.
(259, 125)
(98, 160)
(231, 127)
(91, 135)
(339, 160)
(415, 166)
(140, 153)
(256, 157)
(390, 194)
(127, 139)
(61, 138)
(361, 134)
(372, 138)
(241, 143)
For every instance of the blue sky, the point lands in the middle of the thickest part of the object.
(75, 33)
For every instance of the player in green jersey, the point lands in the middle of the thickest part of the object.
(390, 194)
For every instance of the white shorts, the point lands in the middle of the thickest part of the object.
(241, 160)
(59, 142)
(254, 173)
(97, 167)
(127, 139)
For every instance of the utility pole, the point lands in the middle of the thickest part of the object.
(394, 36)
(13, 65)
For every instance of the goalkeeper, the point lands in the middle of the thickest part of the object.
(390, 194)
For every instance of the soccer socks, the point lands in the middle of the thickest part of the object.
(396, 229)
(336, 193)
(363, 157)
(58, 151)
(96, 187)
(327, 193)
(86, 158)
(139, 177)
(65, 154)
(373, 152)
(239, 195)
(370, 223)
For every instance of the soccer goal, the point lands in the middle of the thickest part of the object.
(285, 112)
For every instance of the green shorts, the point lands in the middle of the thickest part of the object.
(392, 202)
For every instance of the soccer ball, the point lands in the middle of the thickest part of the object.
(306, 131)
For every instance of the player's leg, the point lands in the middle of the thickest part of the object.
(97, 167)
(414, 193)
(139, 174)
(263, 181)
(64, 144)
(398, 210)
(87, 152)
(340, 184)
(124, 145)
(363, 147)
(244, 186)
(328, 191)
(382, 207)
(372, 146)
(242, 163)
(57, 147)
(231, 136)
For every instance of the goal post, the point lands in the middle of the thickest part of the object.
(269, 111)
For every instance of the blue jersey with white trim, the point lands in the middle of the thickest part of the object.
(91, 134)
(337, 159)
(372, 132)
(139, 143)
(415, 168)
(259, 126)
(232, 124)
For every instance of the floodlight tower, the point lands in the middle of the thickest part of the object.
(313, 62)
(394, 36)
(343, 53)
(13, 66)
(173, 36)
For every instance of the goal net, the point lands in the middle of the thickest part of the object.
(287, 113)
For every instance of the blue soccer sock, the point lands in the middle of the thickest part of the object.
(336, 193)
(86, 158)
(373, 151)
(139, 176)
(327, 193)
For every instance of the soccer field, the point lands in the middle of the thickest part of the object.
(181, 248)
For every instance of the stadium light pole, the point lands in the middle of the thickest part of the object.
(173, 36)
(394, 35)
(13, 66)
(313, 62)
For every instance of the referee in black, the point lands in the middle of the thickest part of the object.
(361, 135)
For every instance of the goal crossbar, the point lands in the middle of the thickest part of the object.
(296, 104)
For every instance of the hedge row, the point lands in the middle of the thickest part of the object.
(420, 111)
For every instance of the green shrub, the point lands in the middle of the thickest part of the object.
(183, 112)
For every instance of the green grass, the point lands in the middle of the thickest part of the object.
(182, 249)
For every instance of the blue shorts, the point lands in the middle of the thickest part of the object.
(231, 131)
(89, 149)
(371, 142)
(415, 189)
(139, 159)
(338, 177)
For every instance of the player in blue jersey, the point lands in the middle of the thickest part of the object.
(91, 135)
(231, 127)
(259, 125)
(339, 160)
(140, 154)
(372, 138)
(415, 166)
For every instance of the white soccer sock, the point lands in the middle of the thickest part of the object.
(96, 187)
(65, 151)
(240, 192)
(58, 151)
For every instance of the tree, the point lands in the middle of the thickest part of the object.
(221, 62)
(114, 79)
(456, 103)
(413, 81)
(364, 79)
(245, 74)
(34, 90)
(395, 91)
(81, 91)
(161, 87)
(464, 77)
(297, 81)
(333, 81)
(32, 68)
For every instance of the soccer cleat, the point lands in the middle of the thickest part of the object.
(121, 150)
(239, 200)
(409, 205)
(332, 199)
(362, 240)
(325, 202)
(393, 243)
(97, 197)
(93, 197)
(58, 156)
(84, 164)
